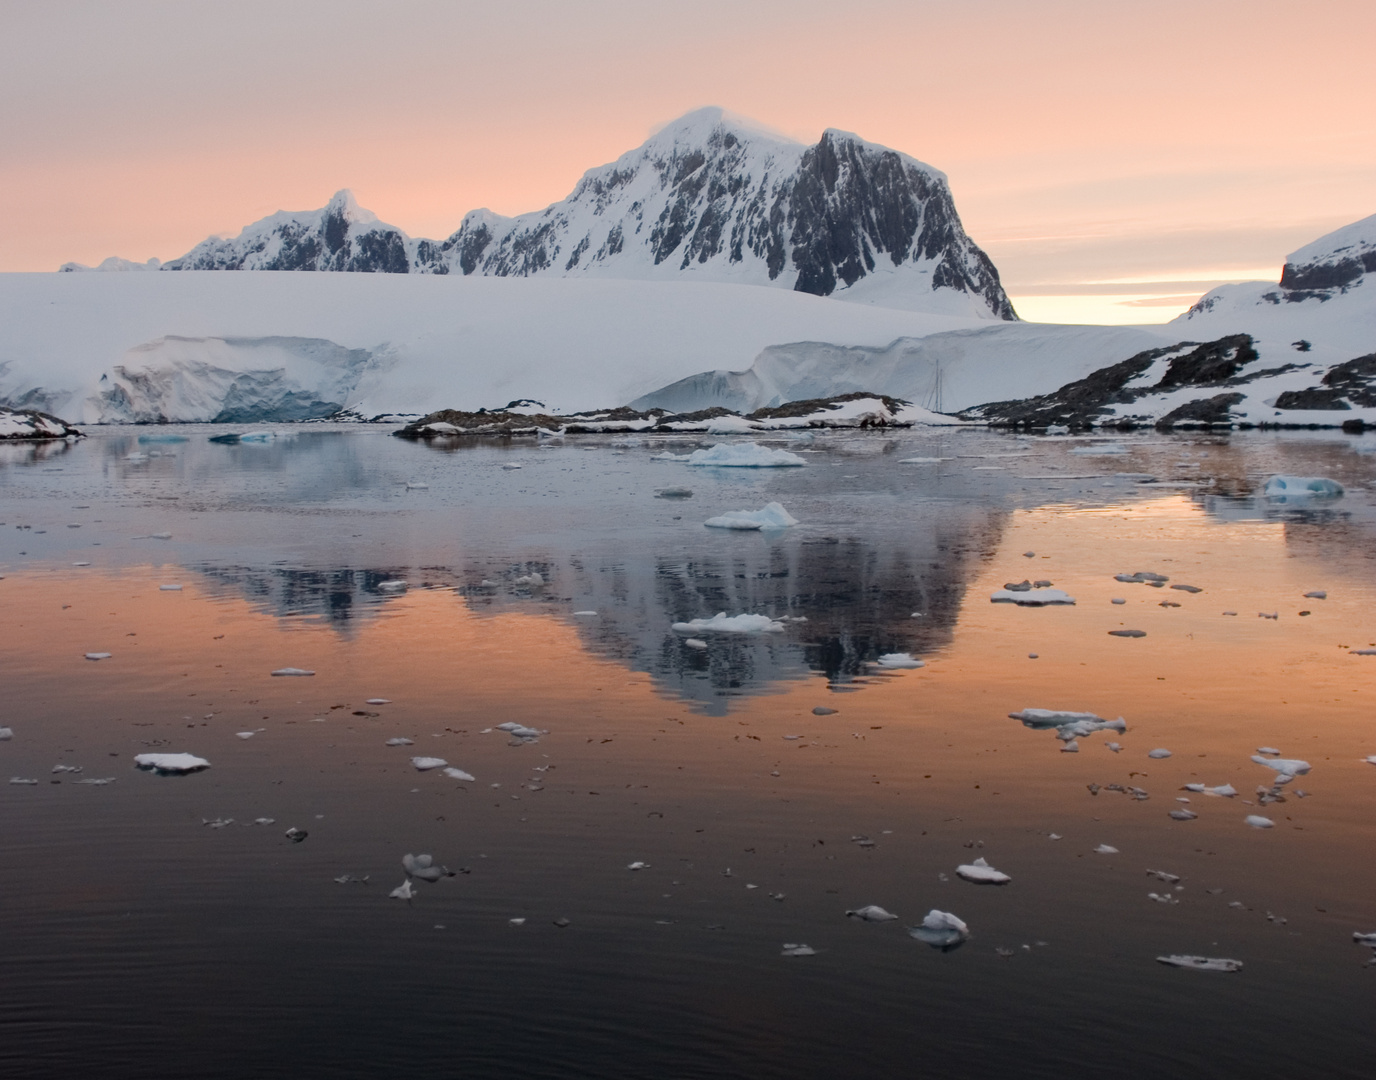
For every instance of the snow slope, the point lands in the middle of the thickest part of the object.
(265, 346)
(711, 197)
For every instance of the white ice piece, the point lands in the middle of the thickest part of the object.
(1224, 791)
(1286, 767)
(797, 949)
(1106, 849)
(423, 867)
(424, 764)
(695, 643)
(392, 586)
(585, 614)
(378, 701)
(245, 734)
(1302, 487)
(721, 623)
(169, 588)
(1032, 597)
(520, 731)
(171, 763)
(981, 873)
(748, 455)
(293, 671)
(532, 579)
(1268, 750)
(6, 734)
(941, 930)
(1100, 449)
(871, 913)
(1200, 963)
(458, 774)
(637, 865)
(1159, 752)
(404, 891)
(772, 516)
(1259, 822)
(98, 655)
(897, 661)
(399, 740)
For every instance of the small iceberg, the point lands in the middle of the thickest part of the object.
(981, 873)
(1031, 597)
(520, 731)
(721, 623)
(898, 661)
(1286, 768)
(1200, 963)
(399, 740)
(424, 867)
(458, 774)
(1106, 849)
(171, 764)
(1302, 487)
(695, 643)
(404, 891)
(290, 671)
(638, 865)
(424, 764)
(773, 516)
(1259, 822)
(1068, 726)
(744, 455)
(941, 930)
(871, 913)
(233, 438)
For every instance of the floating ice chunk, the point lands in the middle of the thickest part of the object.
(100, 781)
(1288, 767)
(1114, 746)
(586, 614)
(530, 579)
(519, 921)
(638, 865)
(1272, 615)
(1362, 652)
(6, 734)
(1162, 898)
(378, 701)
(1161, 875)
(167, 764)
(399, 740)
(459, 774)
(1364, 939)
(1127, 633)
(1259, 822)
(392, 586)
(744, 455)
(424, 764)
(695, 643)
(296, 835)
(981, 873)
(1141, 577)
(169, 588)
(1106, 849)
(1099, 449)
(941, 930)
(871, 913)
(674, 492)
(98, 655)
(896, 661)
(22, 780)
(1302, 487)
(1200, 963)
(1118, 600)
(665, 456)
(735, 624)
(66, 768)
(1183, 814)
(1370, 759)
(510, 465)
(1069, 726)
(1224, 791)
(1031, 598)
(520, 731)
(1317, 594)
(424, 867)
(245, 734)
(404, 891)
(772, 516)
(1159, 752)
(1268, 750)
(822, 710)
(293, 671)
(795, 949)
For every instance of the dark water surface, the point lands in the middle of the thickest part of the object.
(140, 941)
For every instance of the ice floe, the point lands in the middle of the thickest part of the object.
(1142, 577)
(293, 671)
(797, 949)
(424, 868)
(1159, 752)
(744, 455)
(721, 623)
(6, 734)
(1106, 849)
(378, 701)
(871, 913)
(695, 643)
(399, 740)
(1259, 822)
(424, 764)
(981, 873)
(772, 516)
(941, 930)
(1286, 768)
(1031, 597)
(1200, 963)
(1302, 487)
(638, 865)
(171, 763)
(1068, 726)
(1183, 815)
(1317, 594)
(1223, 791)
(404, 891)
(458, 774)
(520, 731)
(98, 655)
(897, 661)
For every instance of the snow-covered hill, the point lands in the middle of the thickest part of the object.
(709, 198)
(277, 346)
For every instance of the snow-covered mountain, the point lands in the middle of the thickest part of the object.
(1332, 263)
(710, 198)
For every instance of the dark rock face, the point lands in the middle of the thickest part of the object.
(703, 197)
(1086, 401)
(1336, 274)
(1207, 412)
(1345, 385)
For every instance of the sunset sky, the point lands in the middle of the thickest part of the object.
(1115, 159)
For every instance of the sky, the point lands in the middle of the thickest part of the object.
(1116, 159)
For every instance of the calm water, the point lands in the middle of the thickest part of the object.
(142, 942)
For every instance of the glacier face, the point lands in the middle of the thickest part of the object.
(709, 198)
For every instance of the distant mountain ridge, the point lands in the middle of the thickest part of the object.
(710, 197)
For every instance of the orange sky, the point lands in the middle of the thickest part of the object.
(1172, 144)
